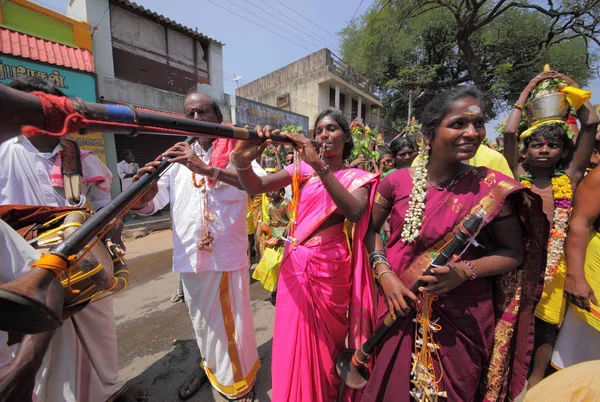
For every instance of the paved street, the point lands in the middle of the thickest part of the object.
(157, 347)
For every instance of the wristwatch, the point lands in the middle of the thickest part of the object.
(215, 173)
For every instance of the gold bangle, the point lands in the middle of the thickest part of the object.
(236, 167)
(518, 106)
(385, 271)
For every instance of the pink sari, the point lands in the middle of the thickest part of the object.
(324, 295)
(486, 336)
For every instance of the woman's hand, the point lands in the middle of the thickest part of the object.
(358, 161)
(305, 149)
(444, 279)
(579, 292)
(394, 292)
(247, 151)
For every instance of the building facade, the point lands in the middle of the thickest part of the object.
(145, 59)
(316, 82)
(35, 41)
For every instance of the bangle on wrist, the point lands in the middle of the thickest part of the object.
(215, 174)
(232, 157)
(323, 170)
(518, 106)
(385, 271)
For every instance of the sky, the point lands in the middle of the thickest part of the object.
(261, 36)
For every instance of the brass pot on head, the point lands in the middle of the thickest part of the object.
(547, 107)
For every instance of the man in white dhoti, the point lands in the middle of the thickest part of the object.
(208, 211)
(72, 370)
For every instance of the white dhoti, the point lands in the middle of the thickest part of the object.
(577, 342)
(67, 373)
(219, 306)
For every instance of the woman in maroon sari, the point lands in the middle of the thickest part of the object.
(470, 312)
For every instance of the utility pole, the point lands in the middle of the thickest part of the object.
(410, 105)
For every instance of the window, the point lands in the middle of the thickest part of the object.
(283, 102)
(331, 97)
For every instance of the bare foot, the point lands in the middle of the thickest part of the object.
(133, 394)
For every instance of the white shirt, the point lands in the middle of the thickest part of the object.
(227, 204)
(16, 256)
(25, 177)
(125, 168)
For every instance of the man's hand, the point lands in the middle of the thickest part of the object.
(183, 153)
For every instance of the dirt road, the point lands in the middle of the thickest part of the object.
(157, 347)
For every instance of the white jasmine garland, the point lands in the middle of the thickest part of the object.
(416, 205)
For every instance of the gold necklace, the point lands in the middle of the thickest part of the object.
(206, 243)
(200, 184)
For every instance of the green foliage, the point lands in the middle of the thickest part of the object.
(364, 141)
(290, 128)
(426, 46)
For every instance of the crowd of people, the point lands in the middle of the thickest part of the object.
(342, 244)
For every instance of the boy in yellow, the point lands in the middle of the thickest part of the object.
(550, 171)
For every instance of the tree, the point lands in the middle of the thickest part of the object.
(425, 46)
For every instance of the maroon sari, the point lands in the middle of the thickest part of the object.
(486, 338)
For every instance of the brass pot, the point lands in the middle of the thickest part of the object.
(552, 106)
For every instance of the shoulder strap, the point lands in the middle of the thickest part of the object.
(72, 171)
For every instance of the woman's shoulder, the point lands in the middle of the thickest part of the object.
(488, 175)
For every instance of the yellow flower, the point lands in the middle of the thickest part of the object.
(561, 187)
(526, 183)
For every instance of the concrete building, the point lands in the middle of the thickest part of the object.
(35, 41)
(313, 83)
(146, 59)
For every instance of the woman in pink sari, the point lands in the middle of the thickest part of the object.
(470, 335)
(324, 290)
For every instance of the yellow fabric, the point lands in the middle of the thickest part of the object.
(267, 270)
(487, 157)
(238, 389)
(551, 307)
(525, 134)
(576, 96)
(492, 159)
(249, 219)
(592, 275)
(265, 209)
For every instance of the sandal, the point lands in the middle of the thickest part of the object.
(176, 298)
(188, 384)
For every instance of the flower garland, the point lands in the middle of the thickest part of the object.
(562, 194)
(416, 205)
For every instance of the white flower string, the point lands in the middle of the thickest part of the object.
(416, 205)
